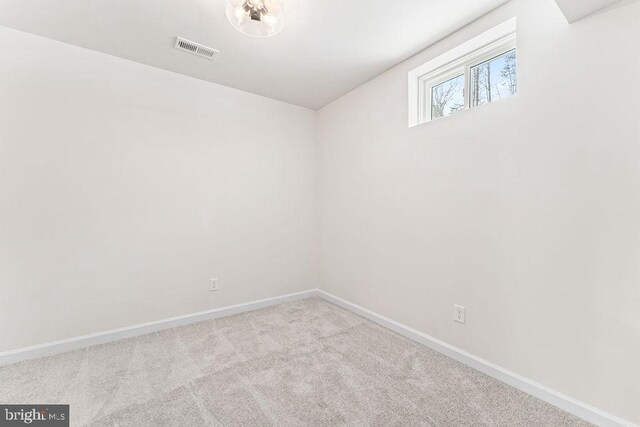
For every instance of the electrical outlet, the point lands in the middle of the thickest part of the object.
(213, 284)
(459, 313)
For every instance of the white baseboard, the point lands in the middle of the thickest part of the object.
(61, 346)
(562, 401)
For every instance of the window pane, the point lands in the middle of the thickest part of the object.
(494, 79)
(447, 97)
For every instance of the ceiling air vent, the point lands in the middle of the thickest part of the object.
(196, 48)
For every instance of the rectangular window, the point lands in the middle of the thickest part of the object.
(494, 79)
(480, 71)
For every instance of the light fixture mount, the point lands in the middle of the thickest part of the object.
(257, 18)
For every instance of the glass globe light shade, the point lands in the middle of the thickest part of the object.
(258, 18)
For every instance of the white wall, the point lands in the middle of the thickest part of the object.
(526, 211)
(124, 188)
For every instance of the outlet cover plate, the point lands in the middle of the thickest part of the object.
(459, 313)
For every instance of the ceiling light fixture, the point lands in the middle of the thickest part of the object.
(258, 18)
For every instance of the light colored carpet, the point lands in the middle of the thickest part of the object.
(302, 363)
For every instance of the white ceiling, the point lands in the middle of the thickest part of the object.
(327, 47)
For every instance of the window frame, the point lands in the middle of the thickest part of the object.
(426, 91)
(475, 50)
(490, 56)
(461, 66)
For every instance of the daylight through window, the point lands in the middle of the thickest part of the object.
(494, 79)
(447, 97)
(480, 71)
(484, 76)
